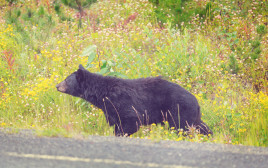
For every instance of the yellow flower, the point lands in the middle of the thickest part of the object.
(179, 139)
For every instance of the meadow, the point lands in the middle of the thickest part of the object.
(219, 56)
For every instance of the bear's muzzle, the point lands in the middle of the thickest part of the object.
(62, 87)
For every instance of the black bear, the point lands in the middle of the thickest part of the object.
(128, 104)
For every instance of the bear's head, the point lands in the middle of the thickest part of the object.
(72, 85)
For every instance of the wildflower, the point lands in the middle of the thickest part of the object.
(179, 139)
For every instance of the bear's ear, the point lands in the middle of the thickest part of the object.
(80, 76)
(81, 67)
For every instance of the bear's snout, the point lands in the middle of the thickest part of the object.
(61, 86)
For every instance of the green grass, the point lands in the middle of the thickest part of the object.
(220, 59)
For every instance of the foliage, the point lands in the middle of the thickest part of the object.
(180, 12)
(221, 58)
(107, 66)
(78, 5)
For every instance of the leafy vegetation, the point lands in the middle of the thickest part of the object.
(219, 54)
(180, 12)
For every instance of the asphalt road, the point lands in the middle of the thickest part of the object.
(25, 150)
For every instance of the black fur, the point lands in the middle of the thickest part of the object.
(127, 104)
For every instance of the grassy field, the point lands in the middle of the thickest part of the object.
(219, 56)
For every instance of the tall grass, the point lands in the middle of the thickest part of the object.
(39, 51)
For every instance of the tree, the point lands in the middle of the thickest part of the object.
(79, 5)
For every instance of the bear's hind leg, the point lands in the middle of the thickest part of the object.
(204, 129)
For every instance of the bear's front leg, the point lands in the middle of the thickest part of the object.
(118, 130)
(128, 126)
